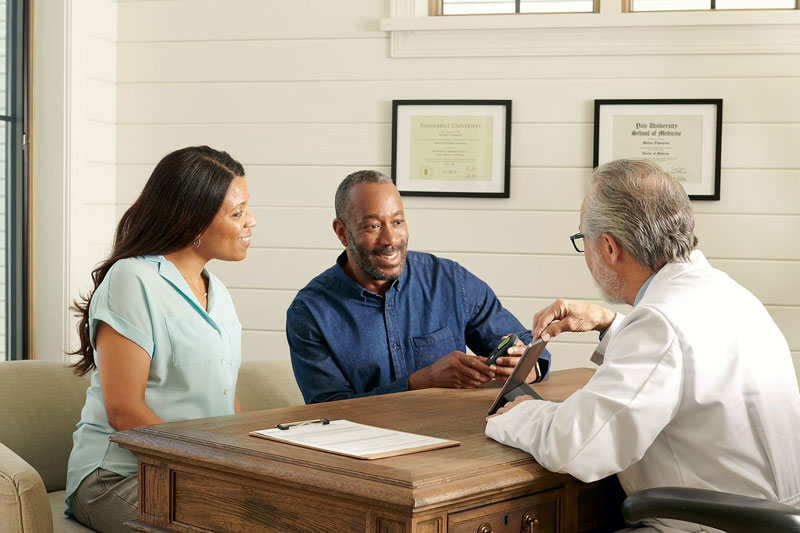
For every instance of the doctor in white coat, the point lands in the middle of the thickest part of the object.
(695, 387)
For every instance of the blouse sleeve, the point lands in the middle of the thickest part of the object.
(121, 302)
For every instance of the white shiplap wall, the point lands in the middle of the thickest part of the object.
(93, 131)
(73, 159)
(301, 93)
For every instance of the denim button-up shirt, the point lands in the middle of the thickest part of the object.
(346, 341)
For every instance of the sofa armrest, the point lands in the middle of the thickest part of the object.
(729, 512)
(24, 506)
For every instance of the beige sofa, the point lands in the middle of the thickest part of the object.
(40, 403)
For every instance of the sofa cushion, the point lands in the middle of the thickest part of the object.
(267, 384)
(41, 405)
(61, 522)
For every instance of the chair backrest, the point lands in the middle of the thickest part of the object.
(41, 402)
(733, 513)
(40, 405)
(267, 384)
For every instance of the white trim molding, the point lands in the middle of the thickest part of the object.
(609, 32)
(50, 148)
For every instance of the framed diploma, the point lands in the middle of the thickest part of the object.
(684, 137)
(451, 147)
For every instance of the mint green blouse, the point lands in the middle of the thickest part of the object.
(195, 355)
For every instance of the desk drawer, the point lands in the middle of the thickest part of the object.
(537, 513)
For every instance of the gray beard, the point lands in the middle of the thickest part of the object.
(608, 281)
(366, 266)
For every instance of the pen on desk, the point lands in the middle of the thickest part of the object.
(287, 425)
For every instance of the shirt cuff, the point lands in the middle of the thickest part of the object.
(399, 385)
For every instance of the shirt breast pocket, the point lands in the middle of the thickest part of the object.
(433, 346)
(192, 341)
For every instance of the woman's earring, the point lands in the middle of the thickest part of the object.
(197, 242)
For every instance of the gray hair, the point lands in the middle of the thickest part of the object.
(342, 201)
(645, 209)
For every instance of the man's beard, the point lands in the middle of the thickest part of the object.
(365, 262)
(608, 281)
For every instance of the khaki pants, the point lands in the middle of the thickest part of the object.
(105, 500)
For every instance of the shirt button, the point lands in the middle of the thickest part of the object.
(225, 392)
(216, 332)
(223, 361)
(395, 345)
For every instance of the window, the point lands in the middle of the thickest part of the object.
(13, 181)
(608, 31)
(486, 7)
(689, 5)
(472, 7)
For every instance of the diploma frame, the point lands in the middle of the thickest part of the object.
(703, 151)
(479, 163)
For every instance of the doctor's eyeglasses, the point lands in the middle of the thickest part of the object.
(577, 242)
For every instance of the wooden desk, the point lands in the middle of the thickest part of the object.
(209, 475)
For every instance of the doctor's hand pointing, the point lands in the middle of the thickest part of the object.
(569, 315)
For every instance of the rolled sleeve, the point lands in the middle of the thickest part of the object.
(122, 303)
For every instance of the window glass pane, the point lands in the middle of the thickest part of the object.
(556, 6)
(670, 5)
(681, 5)
(472, 7)
(3, 46)
(756, 4)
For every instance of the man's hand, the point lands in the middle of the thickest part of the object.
(455, 370)
(510, 405)
(505, 365)
(569, 315)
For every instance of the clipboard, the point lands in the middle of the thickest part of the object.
(351, 439)
(515, 384)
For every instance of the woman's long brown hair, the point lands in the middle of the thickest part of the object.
(179, 201)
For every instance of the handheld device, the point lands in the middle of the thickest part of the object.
(501, 349)
(515, 384)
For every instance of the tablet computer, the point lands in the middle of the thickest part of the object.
(515, 385)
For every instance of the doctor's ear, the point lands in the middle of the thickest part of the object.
(610, 248)
(341, 231)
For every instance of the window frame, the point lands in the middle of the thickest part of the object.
(414, 33)
(435, 9)
(17, 318)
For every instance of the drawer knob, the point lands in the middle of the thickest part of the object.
(485, 528)
(529, 521)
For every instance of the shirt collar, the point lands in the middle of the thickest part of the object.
(169, 272)
(398, 284)
(643, 288)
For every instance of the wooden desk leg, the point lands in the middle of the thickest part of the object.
(154, 492)
(381, 522)
(569, 511)
(430, 524)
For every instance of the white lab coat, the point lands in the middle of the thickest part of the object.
(696, 389)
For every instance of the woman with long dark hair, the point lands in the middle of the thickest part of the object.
(159, 332)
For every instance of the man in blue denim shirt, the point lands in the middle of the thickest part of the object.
(386, 320)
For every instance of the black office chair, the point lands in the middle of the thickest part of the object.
(721, 510)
